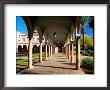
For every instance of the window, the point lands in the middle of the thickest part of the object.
(23, 39)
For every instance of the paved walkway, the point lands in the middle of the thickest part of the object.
(56, 64)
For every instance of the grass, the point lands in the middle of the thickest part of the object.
(22, 61)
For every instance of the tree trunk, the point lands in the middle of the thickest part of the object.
(83, 39)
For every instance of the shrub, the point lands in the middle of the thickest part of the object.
(88, 63)
(87, 53)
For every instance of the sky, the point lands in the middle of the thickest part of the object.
(88, 30)
(21, 27)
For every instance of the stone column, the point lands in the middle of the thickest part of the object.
(78, 53)
(16, 49)
(45, 51)
(54, 50)
(40, 59)
(30, 53)
(72, 52)
(68, 51)
(64, 48)
(51, 50)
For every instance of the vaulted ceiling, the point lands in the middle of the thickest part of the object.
(61, 25)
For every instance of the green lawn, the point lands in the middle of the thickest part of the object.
(22, 61)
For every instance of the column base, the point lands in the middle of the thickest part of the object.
(72, 60)
(45, 58)
(77, 68)
(30, 67)
(40, 61)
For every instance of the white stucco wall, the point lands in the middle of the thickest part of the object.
(56, 49)
(20, 41)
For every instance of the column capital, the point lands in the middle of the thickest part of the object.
(78, 36)
(71, 41)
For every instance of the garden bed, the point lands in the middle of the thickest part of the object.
(87, 65)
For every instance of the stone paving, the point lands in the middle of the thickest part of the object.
(56, 64)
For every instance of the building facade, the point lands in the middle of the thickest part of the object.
(23, 42)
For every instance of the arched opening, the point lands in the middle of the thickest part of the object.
(60, 45)
(34, 49)
(38, 48)
(24, 49)
(43, 48)
(19, 48)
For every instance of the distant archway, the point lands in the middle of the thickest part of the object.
(34, 49)
(19, 48)
(24, 49)
(60, 47)
(43, 48)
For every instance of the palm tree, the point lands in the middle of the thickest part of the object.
(84, 22)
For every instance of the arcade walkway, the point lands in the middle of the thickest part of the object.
(55, 64)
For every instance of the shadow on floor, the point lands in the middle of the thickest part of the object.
(69, 63)
(60, 58)
(61, 61)
(72, 68)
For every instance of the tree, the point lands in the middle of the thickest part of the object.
(84, 22)
(88, 42)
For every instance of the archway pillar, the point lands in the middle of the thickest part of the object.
(45, 51)
(68, 51)
(17, 49)
(72, 53)
(40, 59)
(78, 52)
(51, 50)
(30, 53)
(65, 50)
(77, 31)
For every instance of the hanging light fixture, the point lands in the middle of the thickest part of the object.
(54, 34)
